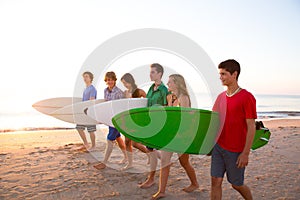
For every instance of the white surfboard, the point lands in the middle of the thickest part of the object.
(48, 106)
(104, 112)
(75, 113)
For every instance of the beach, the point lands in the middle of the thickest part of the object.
(48, 165)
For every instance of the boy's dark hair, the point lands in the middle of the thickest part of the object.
(90, 74)
(231, 66)
(158, 68)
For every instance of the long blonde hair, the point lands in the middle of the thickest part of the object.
(181, 86)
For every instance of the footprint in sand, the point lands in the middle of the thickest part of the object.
(3, 156)
(10, 181)
(43, 150)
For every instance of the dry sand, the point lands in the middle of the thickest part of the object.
(47, 165)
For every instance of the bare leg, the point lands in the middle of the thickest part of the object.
(190, 171)
(164, 174)
(128, 144)
(93, 139)
(122, 146)
(153, 164)
(82, 135)
(108, 151)
(244, 190)
(216, 188)
(142, 148)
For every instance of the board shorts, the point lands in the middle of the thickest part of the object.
(113, 134)
(225, 161)
(90, 128)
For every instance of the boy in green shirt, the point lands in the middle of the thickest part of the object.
(157, 95)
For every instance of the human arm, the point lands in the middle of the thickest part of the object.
(243, 158)
(93, 93)
(142, 93)
(169, 99)
(184, 101)
(165, 93)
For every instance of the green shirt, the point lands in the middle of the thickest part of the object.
(159, 96)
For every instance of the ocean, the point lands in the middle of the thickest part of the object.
(268, 107)
(278, 106)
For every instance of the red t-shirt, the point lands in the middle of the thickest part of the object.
(235, 110)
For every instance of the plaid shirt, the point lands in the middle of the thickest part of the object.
(115, 93)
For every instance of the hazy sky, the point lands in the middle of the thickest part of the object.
(44, 43)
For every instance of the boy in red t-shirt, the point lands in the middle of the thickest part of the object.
(237, 109)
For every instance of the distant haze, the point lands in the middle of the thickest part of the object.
(44, 43)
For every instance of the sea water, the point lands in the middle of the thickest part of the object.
(268, 107)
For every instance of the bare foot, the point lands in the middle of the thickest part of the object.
(191, 188)
(123, 161)
(92, 149)
(100, 166)
(147, 184)
(158, 195)
(84, 148)
(128, 166)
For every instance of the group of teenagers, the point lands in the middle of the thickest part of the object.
(230, 155)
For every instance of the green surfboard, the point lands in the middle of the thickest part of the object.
(261, 138)
(176, 129)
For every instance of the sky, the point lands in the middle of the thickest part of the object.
(43, 44)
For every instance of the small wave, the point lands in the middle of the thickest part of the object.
(34, 129)
(278, 114)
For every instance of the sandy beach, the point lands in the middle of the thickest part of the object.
(47, 165)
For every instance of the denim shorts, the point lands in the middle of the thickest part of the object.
(225, 161)
(90, 128)
(113, 133)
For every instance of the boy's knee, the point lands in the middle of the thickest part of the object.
(236, 187)
(184, 164)
(216, 181)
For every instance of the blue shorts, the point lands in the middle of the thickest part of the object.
(225, 161)
(113, 134)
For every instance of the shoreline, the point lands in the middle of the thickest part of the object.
(278, 115)
(29, 129)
